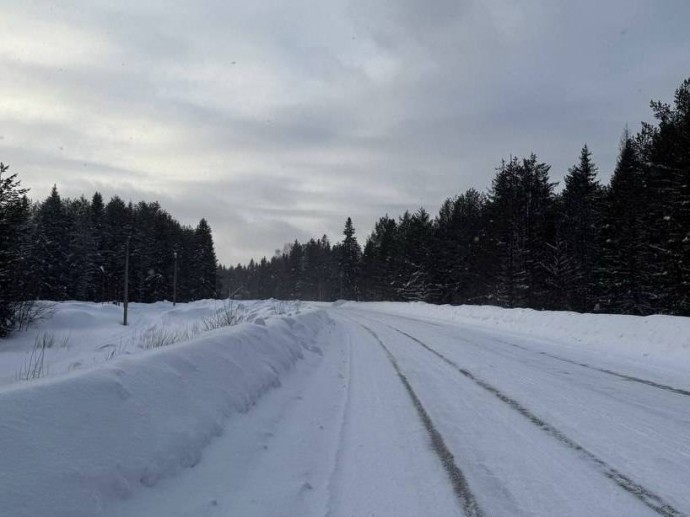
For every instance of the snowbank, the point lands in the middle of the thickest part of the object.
(87, 334)
(71, 443)
(664, 338)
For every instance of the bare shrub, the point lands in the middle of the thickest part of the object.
(159, 337)
(230, 314)
(35, 366)
(29, 312)
(19, 315)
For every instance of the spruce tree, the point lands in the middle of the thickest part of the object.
(117, 224)
(98, 289)
(83, 249)
(576, 249)
(413, 279)
(624, 282)
(52, 255)
(350, 254)
(13, 227)
(205, 262)
(667, 164)
(460, 261)
(520, 201)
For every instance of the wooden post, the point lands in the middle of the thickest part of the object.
(175, 280)
(126, 299)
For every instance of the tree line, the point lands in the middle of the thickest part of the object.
(74, 249)
(621, 248)
(617, 248)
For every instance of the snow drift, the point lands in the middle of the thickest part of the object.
(86, 334)
(71, 443)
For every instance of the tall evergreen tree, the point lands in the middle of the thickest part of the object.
(520, 201)
(667, 166)
(460, 254)
(52, 254)
(98, 288)
(576, 249)
(205, 263)
(117, 226)
(350, 254)
(380, 261)
(83, 249)
(13, 227)
(624, 283)
(413, 280)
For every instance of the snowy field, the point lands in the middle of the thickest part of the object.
(344, 409)
(78, 335)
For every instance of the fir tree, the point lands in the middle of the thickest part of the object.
(667, 166)
(461, 262)
(520, 201)
(581, 217)
(623, 278)
(350, 254)
(413, 281)
(205, 262)
(13, 228)
(52, 258)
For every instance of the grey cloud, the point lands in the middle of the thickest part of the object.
(277, 120)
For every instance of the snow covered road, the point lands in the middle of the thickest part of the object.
(354, 409)
(536, 435)
(407, 417)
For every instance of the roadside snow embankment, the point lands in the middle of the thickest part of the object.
(81, 335)
(664, 338)
(70, 444)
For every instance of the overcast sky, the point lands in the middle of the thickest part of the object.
(276, 120)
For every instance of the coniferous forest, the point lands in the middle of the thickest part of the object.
(619, 248)
(74, 249)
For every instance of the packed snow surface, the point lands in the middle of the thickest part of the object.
(660, 338)
(347, 409)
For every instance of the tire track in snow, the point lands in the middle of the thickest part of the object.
(623, 376)
(614, 373)
(462, 490)
(646, 496)
(340, 451)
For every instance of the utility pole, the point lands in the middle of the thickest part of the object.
(175, 280)
(126, 300)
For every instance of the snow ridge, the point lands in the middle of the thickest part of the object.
(71, 444)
